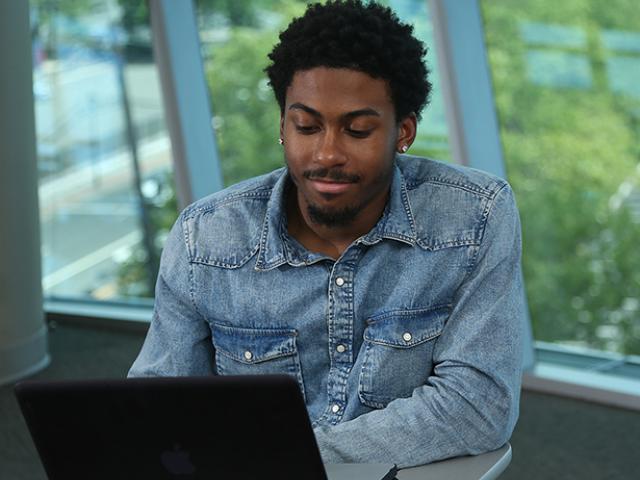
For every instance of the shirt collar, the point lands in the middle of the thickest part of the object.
(397, 223)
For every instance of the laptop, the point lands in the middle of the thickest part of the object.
(218, 427)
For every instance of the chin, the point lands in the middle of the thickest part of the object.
(332, 216)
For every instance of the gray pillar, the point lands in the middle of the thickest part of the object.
(23, 334)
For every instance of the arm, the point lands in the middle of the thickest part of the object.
(179, 340)
(470, 403)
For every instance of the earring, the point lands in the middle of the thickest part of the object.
(404, 148)
(280, 141)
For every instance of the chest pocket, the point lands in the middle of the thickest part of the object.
(256, 351)
(398, 353)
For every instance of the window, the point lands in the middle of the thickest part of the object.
(104, 156)
(566, 78)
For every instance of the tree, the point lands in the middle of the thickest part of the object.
(246, 115)
(569, 149)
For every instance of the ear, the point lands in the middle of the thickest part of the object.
(407, 129)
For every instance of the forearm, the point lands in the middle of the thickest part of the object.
(441, 420)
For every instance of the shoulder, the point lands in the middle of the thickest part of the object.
(234, 196)
(423, 173)
(224, 228)
(450, 203)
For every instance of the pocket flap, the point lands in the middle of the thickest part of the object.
(253, 345)
(406, 328)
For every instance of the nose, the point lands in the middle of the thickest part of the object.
(329, 150)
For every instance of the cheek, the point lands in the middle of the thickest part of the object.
(298, 153)
(294, 162)
(384, 142)
(376, 155)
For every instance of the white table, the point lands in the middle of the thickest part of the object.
(480, 467)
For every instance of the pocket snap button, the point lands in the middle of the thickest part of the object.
(406, 337)
(248, 355)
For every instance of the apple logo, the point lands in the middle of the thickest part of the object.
(177, 461)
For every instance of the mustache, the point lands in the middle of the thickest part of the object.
(335, 174)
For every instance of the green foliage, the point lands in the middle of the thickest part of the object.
(569, 151)
(246, 116)
(135, 14)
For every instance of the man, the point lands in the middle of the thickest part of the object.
(387, 285)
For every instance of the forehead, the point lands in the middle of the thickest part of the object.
(339, 90)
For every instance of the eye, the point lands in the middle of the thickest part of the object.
(306, 130)
(358, 133)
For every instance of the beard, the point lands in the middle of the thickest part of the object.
(333, 217)
(343, 216)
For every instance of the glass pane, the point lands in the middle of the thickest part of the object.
(236, 38)
(432, 139)
(566, 78)
(104, 157)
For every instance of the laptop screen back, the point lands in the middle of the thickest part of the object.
(204, 427)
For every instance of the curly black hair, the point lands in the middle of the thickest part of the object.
(349, 34)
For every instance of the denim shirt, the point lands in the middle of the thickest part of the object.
(407, 348)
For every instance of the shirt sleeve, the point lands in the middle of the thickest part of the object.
(178, 342)
(469, 405)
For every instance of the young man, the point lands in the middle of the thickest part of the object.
(388, 285)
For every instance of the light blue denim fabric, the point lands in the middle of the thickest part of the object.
(407, 348)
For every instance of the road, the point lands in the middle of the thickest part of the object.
(90, 223)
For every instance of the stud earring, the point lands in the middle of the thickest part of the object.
(280, 141)
(404, 148)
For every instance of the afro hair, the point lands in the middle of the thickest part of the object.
(350, 34)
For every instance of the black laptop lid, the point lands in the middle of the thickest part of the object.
(202, 427)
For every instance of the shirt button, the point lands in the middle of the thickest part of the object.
(341, 348)
(335, 408)
(339, 281)
(406, 337)
(248, 355)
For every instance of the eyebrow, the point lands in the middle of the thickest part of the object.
(317, 114)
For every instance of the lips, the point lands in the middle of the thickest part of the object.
(330, 187)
